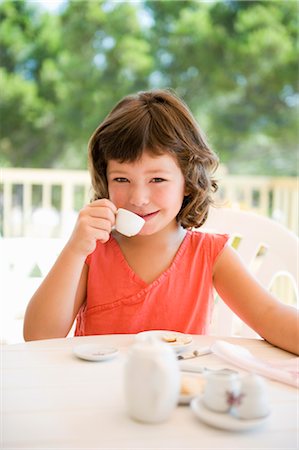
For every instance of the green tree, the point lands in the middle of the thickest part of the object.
(29, 43)
(65, 73)
(234, 62)
(101, 63)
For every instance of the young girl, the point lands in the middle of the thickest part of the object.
(149, 156)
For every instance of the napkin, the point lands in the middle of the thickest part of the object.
(286, 371)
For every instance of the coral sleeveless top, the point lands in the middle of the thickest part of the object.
(180, 299)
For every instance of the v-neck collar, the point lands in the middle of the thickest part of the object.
(164, 274)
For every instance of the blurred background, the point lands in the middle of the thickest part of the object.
(64, 65)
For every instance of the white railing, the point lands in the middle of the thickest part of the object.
(44, 202)
(275, 197)
(32, 199)
(38, 204)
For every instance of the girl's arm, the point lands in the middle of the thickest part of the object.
(54, 306)
(274, 321)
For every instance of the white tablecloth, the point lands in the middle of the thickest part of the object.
(53, 400)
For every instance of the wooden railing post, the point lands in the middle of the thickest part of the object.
(7, 208)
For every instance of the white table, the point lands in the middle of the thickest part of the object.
(52, 400)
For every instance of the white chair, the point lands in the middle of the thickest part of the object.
(269, 250)
(24, 262)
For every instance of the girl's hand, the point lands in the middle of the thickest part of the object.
(94, 223)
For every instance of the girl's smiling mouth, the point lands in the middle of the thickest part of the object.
(149, 216)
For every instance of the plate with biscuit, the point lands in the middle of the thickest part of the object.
(179, 341)
(191, 386)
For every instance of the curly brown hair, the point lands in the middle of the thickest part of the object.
(159, 122)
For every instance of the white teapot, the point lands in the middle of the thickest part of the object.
(152, 381)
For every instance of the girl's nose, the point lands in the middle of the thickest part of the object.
(139, 196)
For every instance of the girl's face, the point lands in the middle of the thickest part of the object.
(152, 187)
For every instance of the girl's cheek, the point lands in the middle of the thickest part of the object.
(117, 196)
(164, 195)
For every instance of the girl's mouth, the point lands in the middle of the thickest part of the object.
(149, 216)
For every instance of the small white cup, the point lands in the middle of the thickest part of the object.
(128, 223)
(220, 390)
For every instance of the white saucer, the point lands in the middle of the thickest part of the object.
(178, 346)
(94, 352)
(224, 421)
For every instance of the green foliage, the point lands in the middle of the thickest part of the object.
(235, 63)
(29, 43)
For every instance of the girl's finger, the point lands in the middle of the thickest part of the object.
(100, 212)
(99, 224)
(102, 236)
(104, 202)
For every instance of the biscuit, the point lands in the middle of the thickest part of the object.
(180, 339)
(171, 337)
(191, 385)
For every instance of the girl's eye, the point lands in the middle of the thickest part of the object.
(158, 180)
(120, 180)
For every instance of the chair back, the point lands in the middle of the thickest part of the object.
(24, 262)
(269, 250)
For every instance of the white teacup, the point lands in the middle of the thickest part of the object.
(128, 223)
(220, 390)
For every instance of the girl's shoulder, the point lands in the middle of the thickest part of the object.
(197, 236)
(212, 243)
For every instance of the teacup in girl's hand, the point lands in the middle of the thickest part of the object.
(128, 223)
